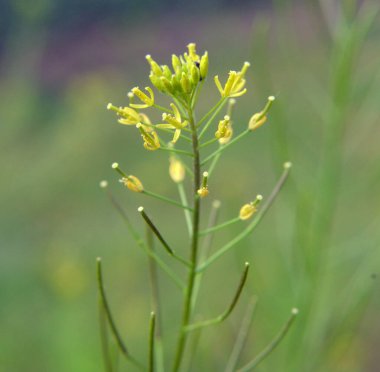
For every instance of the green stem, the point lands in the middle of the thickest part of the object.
(241, 338)
(253, 363)
(210, 112)
(159, 236)
(253, 224)
(165, 199)
(222, 148)
(176, 151)
(182, 196)
(186, 315)
(230, 308)
(220, 226)
(153, 275)
(104, 339)
(217, 109)
(210, 142)
(152, 326)
(140, 243)
(110, 319)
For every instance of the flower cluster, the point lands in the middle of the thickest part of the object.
(182, 83)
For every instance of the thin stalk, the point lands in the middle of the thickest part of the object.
(165, 199)
(216, 112)
(186, 314)
(177, 151)
(253, 224)
(214, 162)
(210, 112)
(141, 244)
(194, 98)
(164, 109)
(152, 326)
(219, 227)
(159, 236)
(156, 303)
(228, 311)
(110, 319)
(209, 142)
(182, 196)
(206, 246)
(104, 339)
(167, 130)
(222, 148)
(259, 358)
(242, 336)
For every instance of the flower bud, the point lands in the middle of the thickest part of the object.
(176, 170)
(203, 67)
(247, 210)
(133, 183)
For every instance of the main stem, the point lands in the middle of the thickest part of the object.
(193, 248)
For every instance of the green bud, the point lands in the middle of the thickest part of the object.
(195, 77)
(176, 62)
(166, 71)
(204, 65)
(176, 84)
(156, 81)
(185, 83)
(156, 69)
(167, 84)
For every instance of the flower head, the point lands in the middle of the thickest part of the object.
(128, 116)
(174, 122)
(176, 170)
(147, 100)
(133, 183)
(247, 210)
(224, 128)
(235, 83)
(203, 190)
(258, 119)
(151, 140)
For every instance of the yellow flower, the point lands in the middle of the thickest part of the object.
(151, 140)
(127, 115)
(133, 183)
(234, 84)
(147, 100)
(203, 191)
(176, 170)
(247, 210)
(174, 122)
(224, 128)
(258, 119)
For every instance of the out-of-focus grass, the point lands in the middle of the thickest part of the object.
(58, 141)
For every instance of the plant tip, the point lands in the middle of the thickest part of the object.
(103, 184)
(288, 165)
(295, 311)
(246, 264)
(259, 197)
(216, 204)
(115, 165)
(98, 259)
(109, 106)
(271, 98)
(140, 209)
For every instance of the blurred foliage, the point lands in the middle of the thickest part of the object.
(58, 141)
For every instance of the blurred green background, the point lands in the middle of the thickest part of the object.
(61, 62)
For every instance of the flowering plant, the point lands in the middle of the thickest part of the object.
(182, 83)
